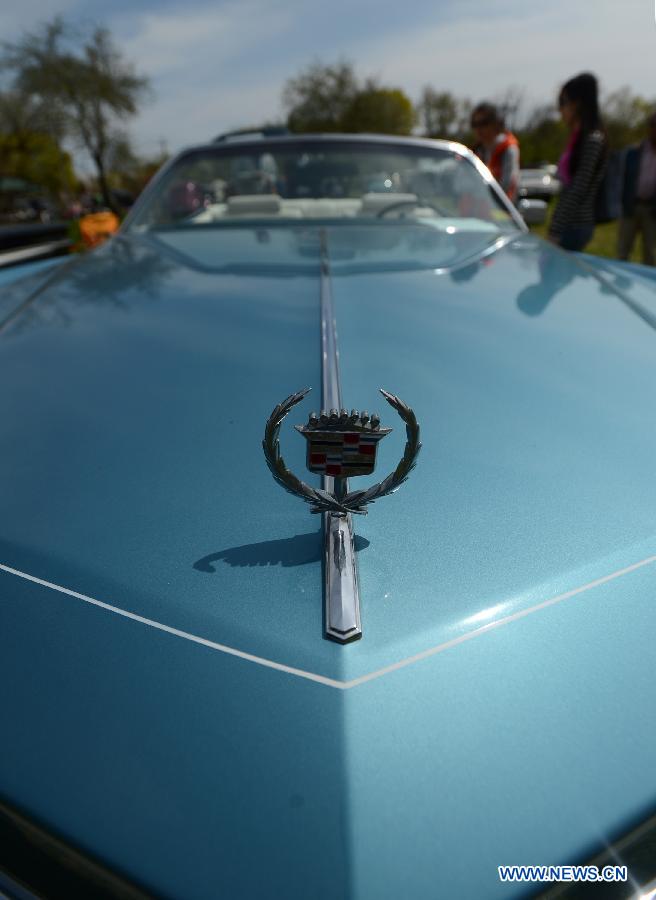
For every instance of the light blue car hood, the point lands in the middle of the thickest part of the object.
(506, 589)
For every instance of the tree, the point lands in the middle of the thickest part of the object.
(319, 98)
(443, 115)
(90, 86)
(510, 104)
(625, 115)
(438, 112)
(126, 169)
(27, 148)
(23, 112)
(543, 137)
(332, 98)
(37, 159)
(380, 110)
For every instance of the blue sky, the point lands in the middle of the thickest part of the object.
(221, 65)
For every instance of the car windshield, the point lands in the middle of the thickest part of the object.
(322, 179)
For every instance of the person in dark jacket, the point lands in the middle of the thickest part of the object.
(582, 165)
(639, 198)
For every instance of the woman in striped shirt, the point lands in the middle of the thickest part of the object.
(582, 165)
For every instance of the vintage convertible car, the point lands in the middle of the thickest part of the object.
(208, 691)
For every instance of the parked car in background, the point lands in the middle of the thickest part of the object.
(210, 692)
(538, 184)
(18, 208)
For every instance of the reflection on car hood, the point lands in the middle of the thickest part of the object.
(162, 368)
(434, 243)
(143, 378)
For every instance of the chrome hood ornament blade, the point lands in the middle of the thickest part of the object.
(340, 445)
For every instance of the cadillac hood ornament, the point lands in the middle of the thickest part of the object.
(340, 445)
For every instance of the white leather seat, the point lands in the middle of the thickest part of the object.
(374, 202)
(253, 205)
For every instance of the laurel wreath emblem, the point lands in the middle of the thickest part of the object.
(354, 501)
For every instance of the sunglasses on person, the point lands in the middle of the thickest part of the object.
(480, 123)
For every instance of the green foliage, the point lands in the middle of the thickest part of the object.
(544, 136)
(22, 112)
(332, 98)
(29, 148)
(625, 115)
(439, 113)
(84, 82)
(319, 98)
(542, 139)
(380, 110)
(126, 170)
(37, 159)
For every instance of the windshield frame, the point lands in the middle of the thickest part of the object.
(307, 143)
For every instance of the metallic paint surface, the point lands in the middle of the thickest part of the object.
(533, 384)
(18, 284)
(139, 389)
(133, 473)
(15, 273)
(196, 774)
(178, 766)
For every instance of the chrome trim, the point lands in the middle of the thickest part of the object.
(14, 890)
(635, 850)
(28, 254)
(497, 244)
(36, 864)
(341, 592)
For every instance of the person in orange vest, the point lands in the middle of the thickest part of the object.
(498, 148)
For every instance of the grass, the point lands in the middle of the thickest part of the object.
(604, 241)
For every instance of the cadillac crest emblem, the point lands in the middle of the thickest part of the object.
(340, 445)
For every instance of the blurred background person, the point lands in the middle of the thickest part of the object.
(639, 198)
(582, 165)
(498, 148)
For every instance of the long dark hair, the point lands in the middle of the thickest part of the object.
(583, 90)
